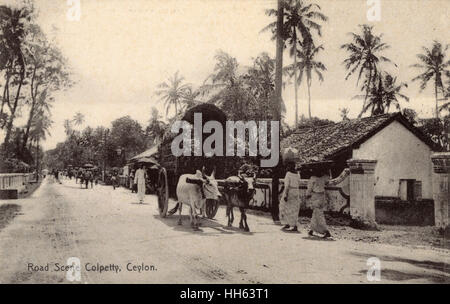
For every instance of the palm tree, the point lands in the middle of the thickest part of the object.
(306, 65)
(344, 114)
(40, 128)
(190, 97)
(260, 81)
(300, 18)
(172, 91)
(78, 118)
(433, 65)
(67, 127)
(226, 87)
(156, 128)
(446, 105)
(384, 94)
(364, 56)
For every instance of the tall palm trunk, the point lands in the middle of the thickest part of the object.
(37, 154)
(295, 80)
(13, 112)
(369, 83)
(436, 97)
(277, 106)
(5, 97)
(32, 110)
(309, 97)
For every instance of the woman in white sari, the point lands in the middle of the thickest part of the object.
(316, 194)
(290, 200)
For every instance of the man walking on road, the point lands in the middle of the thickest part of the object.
(139, 179)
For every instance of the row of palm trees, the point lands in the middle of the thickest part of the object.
(302, 27)
(381, 90)
(240, 94)
(301, 19)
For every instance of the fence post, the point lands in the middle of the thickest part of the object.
(362, 193)
(441, 189)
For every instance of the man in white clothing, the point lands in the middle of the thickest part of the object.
(139, 179)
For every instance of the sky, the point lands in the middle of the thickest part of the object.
(120, 50)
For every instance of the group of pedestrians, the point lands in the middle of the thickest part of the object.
(85, 177)
(315, 194)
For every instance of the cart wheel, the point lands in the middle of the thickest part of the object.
(163, 193)
(211, 208)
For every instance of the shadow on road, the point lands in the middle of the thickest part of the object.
(318, 238)
(431, 265)
(7, 213)
(172, 221)
(395, 275)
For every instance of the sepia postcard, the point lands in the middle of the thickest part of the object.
(247, 142)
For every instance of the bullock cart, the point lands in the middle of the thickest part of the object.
(173, 167)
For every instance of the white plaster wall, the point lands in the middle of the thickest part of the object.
(400, 155)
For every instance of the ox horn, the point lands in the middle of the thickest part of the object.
(203, 172)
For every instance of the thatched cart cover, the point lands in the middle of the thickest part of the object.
(147, 156)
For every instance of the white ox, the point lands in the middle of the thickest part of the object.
(191, 194)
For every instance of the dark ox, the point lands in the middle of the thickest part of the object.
(238, 191)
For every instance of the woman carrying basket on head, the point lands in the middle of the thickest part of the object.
(290, 200)
(316, 194)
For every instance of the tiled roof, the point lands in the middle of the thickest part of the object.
(324, 142)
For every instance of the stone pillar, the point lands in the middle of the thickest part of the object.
(441, 189)
(362, 192)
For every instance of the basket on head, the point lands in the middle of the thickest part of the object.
(289, 154)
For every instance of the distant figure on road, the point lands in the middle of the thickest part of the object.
(139, 179)
(316, 193)
(79, 177)
(91, 179)
(114, 180)
(290, 200)
(60, 176)
(133, 186)
(87, 177)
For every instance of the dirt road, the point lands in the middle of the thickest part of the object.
(107, 230)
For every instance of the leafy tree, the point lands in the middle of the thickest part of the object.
(437, 129)
(410, 115)
(433, 64)
(13, 26)
(127, 137)
(47, 72)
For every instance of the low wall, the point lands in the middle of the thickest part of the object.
(393, 211)
(337, 194)
(15, 181)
